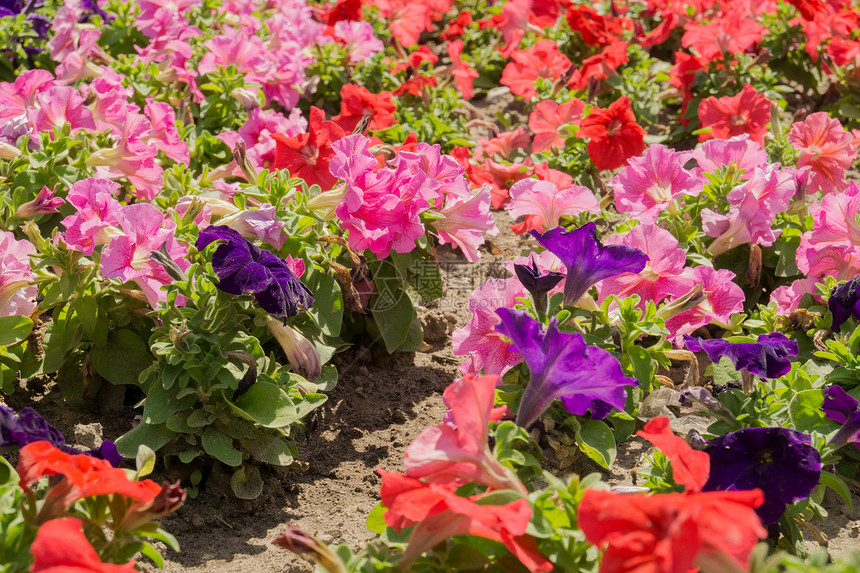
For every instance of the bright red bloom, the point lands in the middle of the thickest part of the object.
(464, 74)
(681, 77)
(438, 513)
(600, 66)
(725, 36)
(415, 85)
(421, 55)
(596, 29)
(668, 533)
(544, 13)
(728, 116)
(358, 102)
(61, 547)
(85, 476)
(615, 136)
(308, 155)
(341, 10)
(543, 60)
(547, 120)
(408, 21)
(457, 26)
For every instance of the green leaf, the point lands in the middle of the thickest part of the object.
(804, 409)
(643, 366)
(596, 440)
(376, 519)
(327, 309)
(268, 405)
(160, 404)
(220, 447)
(270, 449)
(144, 460)
(124, 357)
(153, 435)
(14, 329)
(393, 313)
(153, 554)
(88, 313)
(835, 483)
(246, 483)
(166, 537)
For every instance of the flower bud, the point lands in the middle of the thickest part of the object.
(44, 203)
(300, 543)
(301, 353)
(8, 151)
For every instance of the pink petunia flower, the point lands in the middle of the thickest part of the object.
(651, 183)
(259, 223)
(836, 218)
(549, 122)
(57, 106)
(754, 208)
(739, 153)
(789, 297)
(96, 221)
(111, 104)
(543, 204)
(664, 275)
(487, 349)
(723, 298)
(18, 97)
(543, 60)
(17, 295)
(164, 134)
(827, 148)
(467, 219)
(44, 203)
(358, 38)
(503, 145)
(464, 74)
(127, 258)
(838, 260)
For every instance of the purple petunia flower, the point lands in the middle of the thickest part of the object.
(840, 406)
(563, 366)
(537, 284)
(244, 268)
(587, 260)
(767, 357)
(780, 462)
(844, 303)
(25, 427)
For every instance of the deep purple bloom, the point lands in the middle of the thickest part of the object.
(107, 451)
(587, 260)
(780, 462)
(767, 357)
(845, 303)
(27, 426)
(244, 268)
(840, 406)
(563, 366)
(537, 284)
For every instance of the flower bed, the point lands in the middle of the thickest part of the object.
(211, 210)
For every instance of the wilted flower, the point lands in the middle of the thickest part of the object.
(840, 406)
(844, 303)
(779, 461)
(301, 353)
(563, 366)
(587, 260)
(767, 357)
(169, 499)
(244, 268)
(44, 203)
(300, 543)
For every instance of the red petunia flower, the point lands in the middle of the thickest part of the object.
(600, 66)
(61, 547)
(308, 155)
(544, 13)
(671, 533)
(725, 36)
(615, 136)
(415, 85)
(596, 29)
(728, 116)
(682, 76)
(455, 28)
(341, 10)
(543, 60)
(357, 102)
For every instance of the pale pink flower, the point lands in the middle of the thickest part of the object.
(543, 205)
(111, 103)
(487, 349)
(257, 135)
(96, 221)
(549, 122)
(504, 144)
(723, 298)
(77, 64)
(245, 51)
(649, 184)
(467, 219)
(17, 295)
(840, 260)
(131, 158)
(57, 106)
(826, 147)
(664, 275)
(259, 223)
(836, 219)
(164, 134)
(44, 203)
(17, 98)
(754, 208)
(739, 153)
(515, 23)
(127, 258)
(789, 297)
(358, 38)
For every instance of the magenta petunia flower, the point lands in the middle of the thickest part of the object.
(358, 38)
(17, 294)
(563, 366)
(723, 298)
(95, 222)
(663, 276)
(487, 350)
(587, 260)
(649, 184)
(740, 153)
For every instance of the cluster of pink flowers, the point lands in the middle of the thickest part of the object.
(381, 206)
(17, 291)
